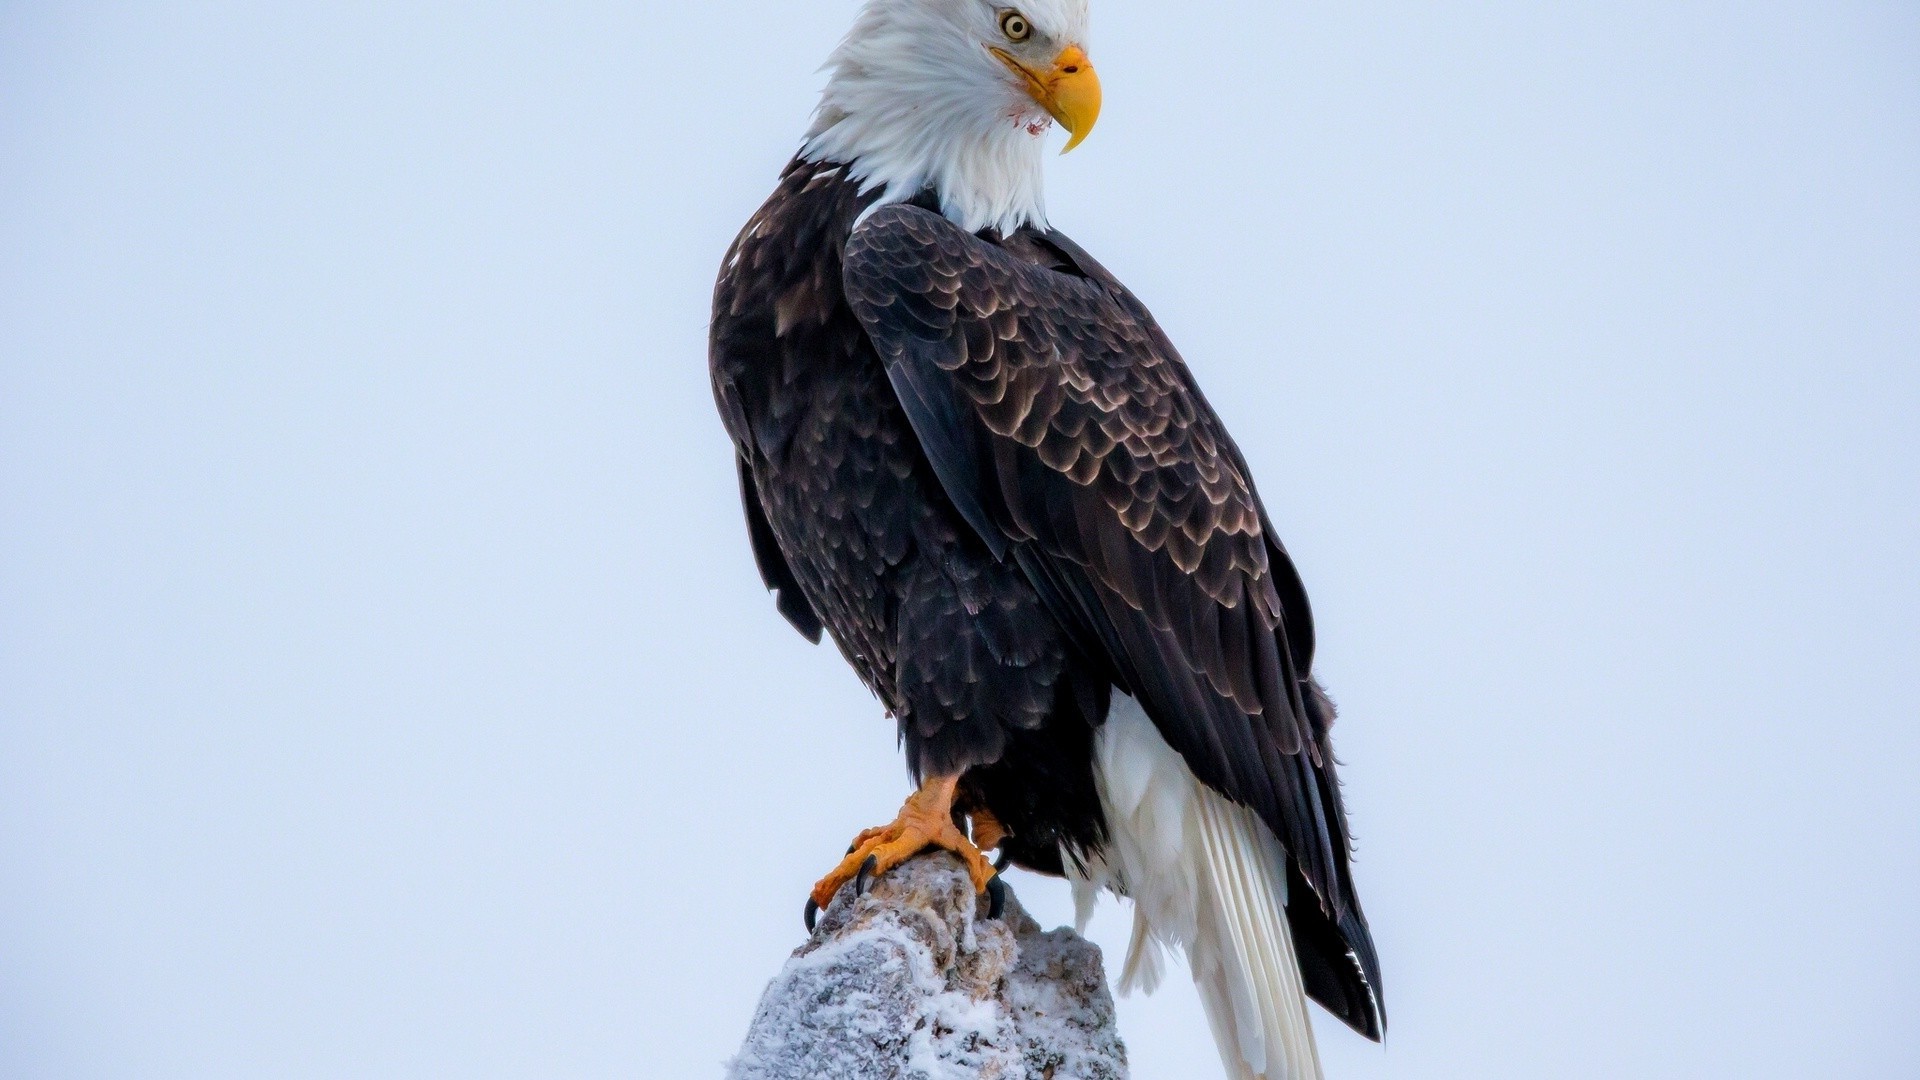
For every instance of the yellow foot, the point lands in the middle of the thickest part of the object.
(925, 821)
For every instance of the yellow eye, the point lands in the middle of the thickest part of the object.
(1015, 26)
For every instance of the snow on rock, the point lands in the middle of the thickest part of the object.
(913, 982)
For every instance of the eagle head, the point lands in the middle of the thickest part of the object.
(954, 96)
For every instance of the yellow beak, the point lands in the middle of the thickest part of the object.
(1070, 92)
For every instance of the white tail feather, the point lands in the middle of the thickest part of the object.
(1207, 876)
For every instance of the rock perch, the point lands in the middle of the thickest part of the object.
(913, 982)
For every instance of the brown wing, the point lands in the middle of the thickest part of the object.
(1068, 432)
(779, 577)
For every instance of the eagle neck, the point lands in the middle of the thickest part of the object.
(983, 165)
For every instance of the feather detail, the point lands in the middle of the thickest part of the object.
(1207, 877)
(1066, 431)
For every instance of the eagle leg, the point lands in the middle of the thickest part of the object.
(926, 820)
(987, 830)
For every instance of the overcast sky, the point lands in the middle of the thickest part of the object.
(386, 689)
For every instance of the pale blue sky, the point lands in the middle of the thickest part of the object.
(386, 689)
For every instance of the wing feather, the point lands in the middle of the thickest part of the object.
(1069, 434)
(779, 577)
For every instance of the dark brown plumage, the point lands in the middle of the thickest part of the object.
(981, 467)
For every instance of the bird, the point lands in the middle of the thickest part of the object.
(969, 456)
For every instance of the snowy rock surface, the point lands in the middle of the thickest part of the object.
(913, 982)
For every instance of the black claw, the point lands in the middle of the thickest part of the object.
(813, 912)
(860, 879)
(1003, 860)
(996, 897)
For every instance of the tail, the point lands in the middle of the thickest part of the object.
(1208, 876)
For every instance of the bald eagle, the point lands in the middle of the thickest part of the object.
(969, 455)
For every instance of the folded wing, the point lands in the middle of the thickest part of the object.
(1065, 428)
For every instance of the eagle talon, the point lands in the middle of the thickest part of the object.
(812, 913)
(926, 821)
(1001, 862)
(996, 897)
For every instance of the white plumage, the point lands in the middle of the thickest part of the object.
(1207, 877)
(914, 100)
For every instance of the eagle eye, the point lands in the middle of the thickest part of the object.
(1015, 26)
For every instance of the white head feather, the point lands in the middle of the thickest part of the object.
(916, 101)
